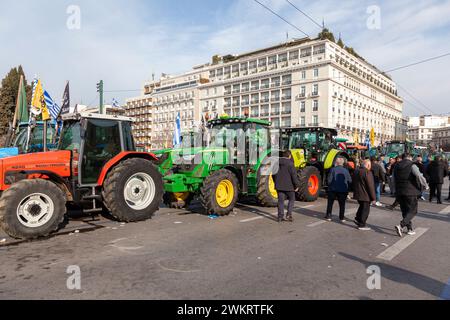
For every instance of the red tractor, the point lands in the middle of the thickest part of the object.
(95, 167)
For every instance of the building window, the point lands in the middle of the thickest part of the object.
(315, 120)
(316, 105)
(303, 75)
(316, 73)
(302, 121)
(302, 106)
(315, 90)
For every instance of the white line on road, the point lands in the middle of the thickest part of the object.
(306, 207)
(251, 219)
(390, 253)
(446, 210)
(318, 223)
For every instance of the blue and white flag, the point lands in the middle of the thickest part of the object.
(52, 107)
(115, 103)
(177, 133)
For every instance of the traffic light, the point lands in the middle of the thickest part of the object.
(100, 91)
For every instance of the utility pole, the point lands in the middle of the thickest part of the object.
(100, 91)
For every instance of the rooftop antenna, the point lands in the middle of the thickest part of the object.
(153, 76)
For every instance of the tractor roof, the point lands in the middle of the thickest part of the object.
(239, 120)
(91, 115)
(310, 129)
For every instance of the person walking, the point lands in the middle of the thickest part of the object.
(364, 193)
(421, 166)
(436, 171)
(409, 183)
(286, 184)
(339, 181)
(378, 177)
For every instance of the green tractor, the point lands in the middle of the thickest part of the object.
(236, 162)
(191, 142)
(393, 149)
(314, 150)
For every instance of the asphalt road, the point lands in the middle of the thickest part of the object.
(247, 255)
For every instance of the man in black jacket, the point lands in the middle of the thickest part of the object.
(436, 172)
(364, 193)
(286, 184)
(339, 182)
(409, 183)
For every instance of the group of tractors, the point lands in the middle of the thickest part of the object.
(96, 167)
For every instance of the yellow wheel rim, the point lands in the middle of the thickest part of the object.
(225, 193)
(272, 189)
(180, 196)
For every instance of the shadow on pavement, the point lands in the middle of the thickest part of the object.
(403, 276)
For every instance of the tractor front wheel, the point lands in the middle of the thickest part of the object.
(310, 184)
(133, 190)
(219, 193)
(32, 208)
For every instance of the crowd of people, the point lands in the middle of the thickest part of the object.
(406, 178)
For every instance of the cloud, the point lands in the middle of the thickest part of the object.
(124, 42)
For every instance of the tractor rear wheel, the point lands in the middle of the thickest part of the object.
(133, 190)
(267, 195)
(32, 208)
(310, 184)
(219, 193)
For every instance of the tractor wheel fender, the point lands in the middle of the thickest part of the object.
(330, 158)
(122, 157)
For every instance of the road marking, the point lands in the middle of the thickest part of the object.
(318, 223)
(390, 253)
(306, 207)
(251, 219)
(445, 211)
(445, 295)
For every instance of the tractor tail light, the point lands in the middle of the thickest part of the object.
(75, 160)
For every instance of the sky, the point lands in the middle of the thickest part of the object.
(125, 42)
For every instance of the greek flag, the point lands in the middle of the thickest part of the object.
(52, 107)
(177, 133)
(115, 103)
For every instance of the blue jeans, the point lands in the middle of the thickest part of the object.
(378, 190)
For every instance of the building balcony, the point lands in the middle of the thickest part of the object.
(275, 99)
(264, 100)
(262, 69)
(315, 94)
(301, 96)
(286, 98)
(255, 101)
(286, 111)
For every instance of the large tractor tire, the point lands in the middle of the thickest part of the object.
(267, 194)
(33, 208)
(310, 184)
(219, 193)
(133, 190)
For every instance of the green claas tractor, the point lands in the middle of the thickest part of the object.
(314, 152)
(236, 162)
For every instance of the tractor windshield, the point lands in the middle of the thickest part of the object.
(223, 133)
(35, 144)
(303, 140)
(70, 137)
(396, 148)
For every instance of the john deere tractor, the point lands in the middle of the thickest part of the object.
(236, 162)
(314, 152)
(189, 140)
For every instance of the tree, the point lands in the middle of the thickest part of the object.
(326, 35)
(340, 43)
(8, 97)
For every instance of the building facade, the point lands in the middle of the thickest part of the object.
(421, 129)
(300, 83)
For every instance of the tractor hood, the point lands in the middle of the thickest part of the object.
(54, 162)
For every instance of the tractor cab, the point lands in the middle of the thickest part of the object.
(316, 140)
(94, 140)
